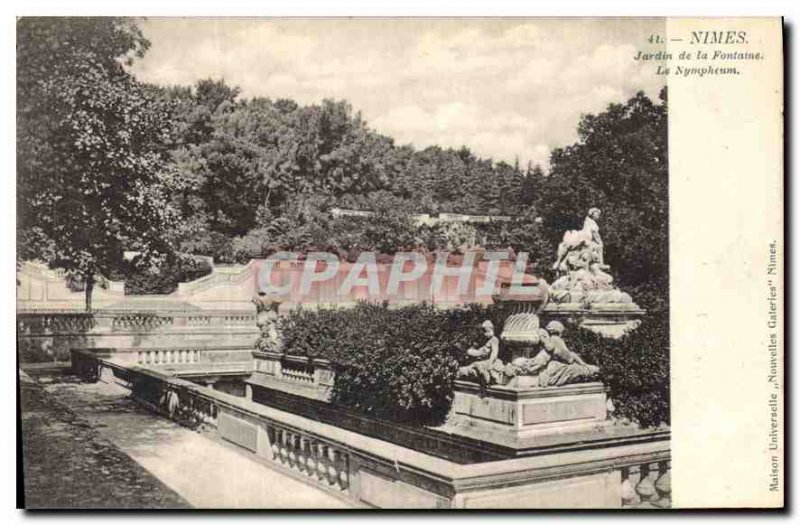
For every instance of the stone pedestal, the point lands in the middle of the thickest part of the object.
(521, 410)
(609, 320)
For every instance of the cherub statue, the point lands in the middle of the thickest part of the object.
(555, 364)
(488, 370)
(270, 339)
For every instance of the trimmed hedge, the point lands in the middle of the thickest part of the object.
(635, 368)
(400, 364)
(397, 364)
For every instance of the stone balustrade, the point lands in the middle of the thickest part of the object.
(646, 485)
(49, 335)
(302, 371)
(318, 459)
(67, 322)
(168, 356)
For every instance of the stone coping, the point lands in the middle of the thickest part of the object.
(306, 390)
(125, 349)
(155, 312)
(515, 393)
(276, 356)
(594, 310)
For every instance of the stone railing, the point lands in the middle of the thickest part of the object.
(371, 471)
(293, 369)
(169, 356)
(55, 323)
(49, 335)
(318, 459)
(225, 275)
(67, 322)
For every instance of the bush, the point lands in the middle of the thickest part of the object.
(142, 281)
(396, 364)
(635, 367)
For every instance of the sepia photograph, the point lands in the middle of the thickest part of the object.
(349, 263)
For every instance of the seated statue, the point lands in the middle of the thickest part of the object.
(488, 369)
(270, 339)
(585, 240)
(582, 276)
(555, 364)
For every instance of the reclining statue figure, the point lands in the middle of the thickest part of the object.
(555, 364)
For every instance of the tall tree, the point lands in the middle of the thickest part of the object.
(90, 147)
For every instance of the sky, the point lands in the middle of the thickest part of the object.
(505, 88)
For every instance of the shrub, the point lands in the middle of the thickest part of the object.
(635, 367)
(396, 364)
(140, 280)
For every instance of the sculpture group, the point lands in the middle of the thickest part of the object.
(581, 279)
(554, 364)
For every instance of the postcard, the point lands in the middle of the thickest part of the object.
(400, 263)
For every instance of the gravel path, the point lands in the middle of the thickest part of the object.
(67, 464)
(97, 448)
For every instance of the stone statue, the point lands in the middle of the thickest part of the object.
(584, 241)
(267, 321)
(555, 364)
(579, 263)
(489, 368)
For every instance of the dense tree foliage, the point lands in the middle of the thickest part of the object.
(257, 175)
(91, 145)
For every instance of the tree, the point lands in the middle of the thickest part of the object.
(91, 144)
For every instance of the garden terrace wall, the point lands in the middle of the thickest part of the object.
(180, 336)
(370, 471)
(304, 395)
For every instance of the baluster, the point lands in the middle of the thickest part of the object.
(291, 451)
(333, 475)
(284, 447)
(342, 468)
(273, 442)
(646, 488)
(627, 490)
(663, 486)
(311, 461)
(322, 466)
(301, 453)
